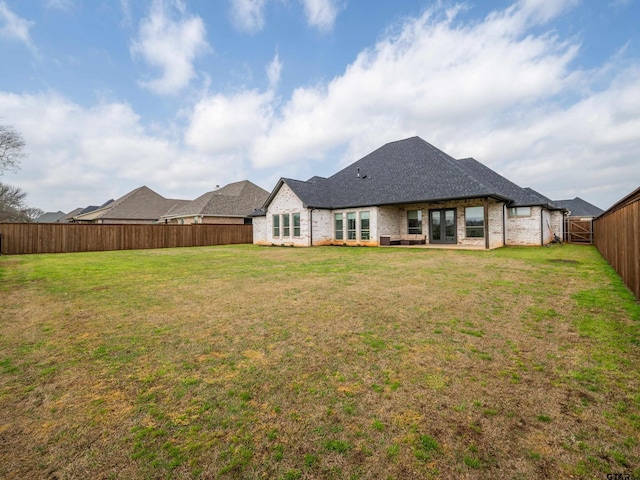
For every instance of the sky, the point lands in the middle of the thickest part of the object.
(185, 95)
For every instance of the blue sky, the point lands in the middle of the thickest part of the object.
(183, 95)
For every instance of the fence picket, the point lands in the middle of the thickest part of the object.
(27, 238)
(616, 235)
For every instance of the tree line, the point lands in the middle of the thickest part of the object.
(13, 205)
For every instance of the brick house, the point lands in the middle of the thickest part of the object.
(407, 192)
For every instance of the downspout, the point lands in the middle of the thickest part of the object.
(504, 224)
(486, 223)
(311, 227)
(541, 227)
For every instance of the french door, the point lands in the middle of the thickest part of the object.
(442, 226)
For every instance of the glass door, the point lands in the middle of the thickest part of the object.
(442, 226)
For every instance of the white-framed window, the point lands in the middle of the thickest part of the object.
(296, 224)
(286, 222)
(519, 211)
(339, 226)
(276, 225)
(351, 225)
(365, 229)
(414, 221)
(474, 222)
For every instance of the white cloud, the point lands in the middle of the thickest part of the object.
(222, 124)
(321, 14)
(248, 15)
(14, 27)
(429, 77)
(274, 69)
(170, 41)
(591, 146)
(543, 10)
(493, 90)
(127, 16)
(80, 156)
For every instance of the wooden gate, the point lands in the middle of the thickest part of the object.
(578, 230)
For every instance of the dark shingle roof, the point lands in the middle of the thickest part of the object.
(313, 194)
(579, 207)
(407, 171)
(519, 196)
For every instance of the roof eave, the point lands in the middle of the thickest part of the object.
(427, 200)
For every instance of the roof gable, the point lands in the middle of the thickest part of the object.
(141, 203)
(236, 199)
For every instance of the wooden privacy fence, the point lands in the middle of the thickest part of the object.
(21, 238)
(616, 234)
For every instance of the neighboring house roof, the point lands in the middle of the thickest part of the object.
(579, 207)
(139, 204)
(406, 171)
(50, 217)
(91, 208)
(69, 216)
(258, 212)
(238, 199)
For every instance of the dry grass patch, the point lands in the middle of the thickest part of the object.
(258, 362)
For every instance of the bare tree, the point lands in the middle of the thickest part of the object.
(11, 149)
(13, 207)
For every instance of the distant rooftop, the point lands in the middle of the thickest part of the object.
(579, 208)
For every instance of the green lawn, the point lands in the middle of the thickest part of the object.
(330, 362)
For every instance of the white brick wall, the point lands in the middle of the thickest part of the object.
(390, 221)
(496, 224)
(546, 226)
(557, 224)
(260, 231)
(525, 230)
(285, 203)
(393, 221)
(322, 227)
